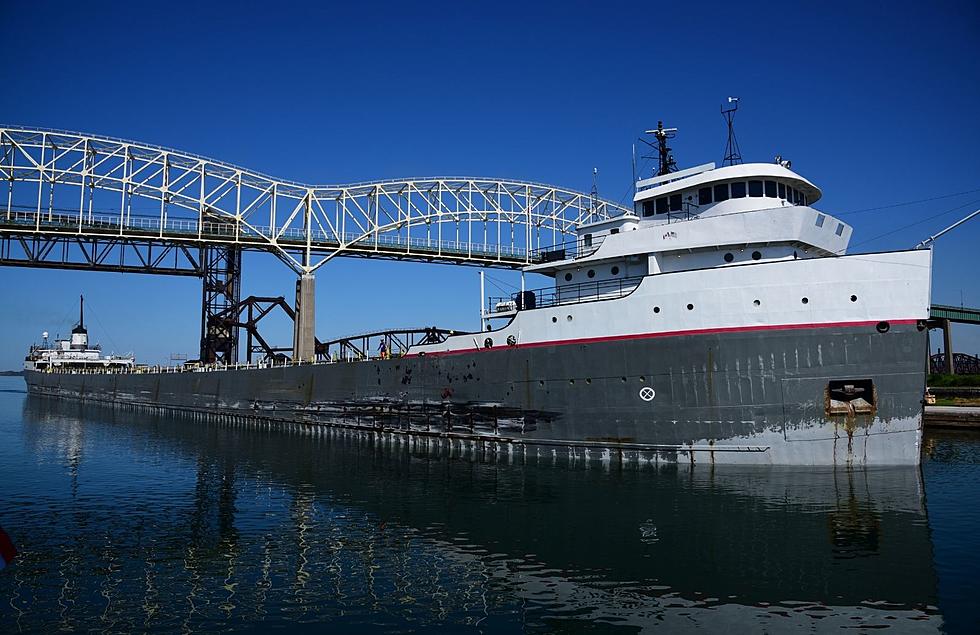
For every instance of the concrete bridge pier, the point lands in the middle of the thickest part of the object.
(304, 339)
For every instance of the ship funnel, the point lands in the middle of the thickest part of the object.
(79, 336)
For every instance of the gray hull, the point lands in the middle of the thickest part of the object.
(756, 397)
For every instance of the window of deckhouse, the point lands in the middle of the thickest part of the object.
(755, 189)
(675, 202)
(770, 189)
(782, 190)
(738, 189)
(704, 196)
(662, 205)
(647, 208)
(721, 192)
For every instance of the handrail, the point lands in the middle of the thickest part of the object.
(569, 294)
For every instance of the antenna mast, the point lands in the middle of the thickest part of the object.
(733, 156)
(594, 197)
(666, 163)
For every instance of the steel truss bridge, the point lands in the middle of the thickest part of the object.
(81, 201)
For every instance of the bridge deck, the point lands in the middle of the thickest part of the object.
(963, 315)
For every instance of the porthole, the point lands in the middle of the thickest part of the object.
(756, 255)
(541, 382)
(623, 379)
(568, 317)
(568, 277)
(488, 343)
(882, 327)
(805, 300)
(591, 273)
(588, 380)
(615, 271)
(642, 379)
(729, 257)
(756, 302)
(690, 307)
(854, 298)
(656, 309)
(571, 381)
(554, 320)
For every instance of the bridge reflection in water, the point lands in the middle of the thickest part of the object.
(172, 524)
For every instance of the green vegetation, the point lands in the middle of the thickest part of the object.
(958, 401)
(951, 381)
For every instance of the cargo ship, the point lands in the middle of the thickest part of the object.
(723, 321)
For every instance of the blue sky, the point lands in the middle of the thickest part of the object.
(874, 102)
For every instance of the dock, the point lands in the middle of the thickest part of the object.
(952, 417)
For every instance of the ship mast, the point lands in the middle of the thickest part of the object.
(666, 163)
(733, 155)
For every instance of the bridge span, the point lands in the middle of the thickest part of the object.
(83, 201)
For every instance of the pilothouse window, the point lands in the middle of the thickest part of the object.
(755, 189)
(704, 196)
(770, 189)
(721, 192)
(662, 205)
(782, 190)
(738, 189)
(647, 208)
(675, 202)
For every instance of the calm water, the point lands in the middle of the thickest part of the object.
(138, 523)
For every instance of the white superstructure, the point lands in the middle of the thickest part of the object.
(73, 353)
(708, 248)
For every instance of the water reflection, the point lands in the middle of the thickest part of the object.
(167, 525)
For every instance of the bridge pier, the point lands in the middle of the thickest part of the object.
(947, 347)
(304, 340)
(221, 291)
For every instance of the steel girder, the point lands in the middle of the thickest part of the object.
(91, 253)
(56, 182)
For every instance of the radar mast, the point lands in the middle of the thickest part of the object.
(733, 156)
(665, 158)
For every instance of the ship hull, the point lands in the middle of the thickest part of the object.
(746, 396)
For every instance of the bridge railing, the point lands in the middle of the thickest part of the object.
(193, 229)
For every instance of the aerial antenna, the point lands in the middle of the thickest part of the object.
(733, 156)
(666, 163)
(81, 311)
(594, 197)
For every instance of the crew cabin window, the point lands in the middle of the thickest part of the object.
(675, 202)
(647, 208)
(721, 192)
(588, 240)
(738, 189)
(755, 189)
(840, 228)
(770, 189)
(704, 196)
(782, 190)
(662, 205)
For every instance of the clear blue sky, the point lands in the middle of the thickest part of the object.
(875, 103)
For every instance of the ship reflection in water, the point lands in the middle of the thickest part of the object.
(142, 523)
